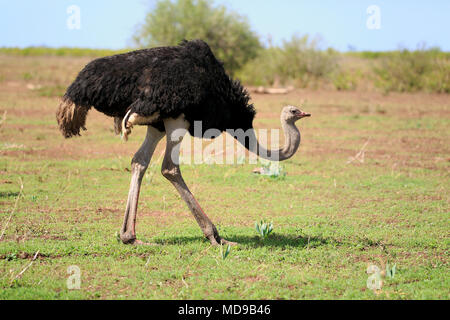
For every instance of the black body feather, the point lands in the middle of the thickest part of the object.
(185, 79)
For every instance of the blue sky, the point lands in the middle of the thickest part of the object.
(341, 24)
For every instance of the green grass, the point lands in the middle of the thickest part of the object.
(331, 219)
(323, 240)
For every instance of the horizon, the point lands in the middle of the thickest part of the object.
(345, 27)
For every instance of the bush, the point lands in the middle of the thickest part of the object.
(344, 80)
(305, 62)
(410, 71)
(439, 78)
(263, 70)
(299, 61)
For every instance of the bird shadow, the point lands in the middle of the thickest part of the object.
(275, 240)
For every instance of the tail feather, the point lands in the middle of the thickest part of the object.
(71, 118)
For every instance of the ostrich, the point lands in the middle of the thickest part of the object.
(167, 89)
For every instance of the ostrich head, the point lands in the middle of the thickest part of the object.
(291, 114)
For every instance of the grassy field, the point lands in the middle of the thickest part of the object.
(332, 217)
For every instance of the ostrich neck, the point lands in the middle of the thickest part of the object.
(292, 140)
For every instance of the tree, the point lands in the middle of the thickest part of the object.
(228, 33)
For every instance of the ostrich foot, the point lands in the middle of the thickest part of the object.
(226, 242)
(128, 238)
(218, 241)
(213, 236)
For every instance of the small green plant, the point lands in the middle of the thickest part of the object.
(272, 169)
(390, 270)
(264, 228)
(11, 256)
(275, 170)
(27, 76)
(224, 253)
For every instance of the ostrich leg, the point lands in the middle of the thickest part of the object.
(175, 131)
(139, 165)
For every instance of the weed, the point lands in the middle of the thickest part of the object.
(11, 256)
(271, 169)
(27, 76)
(224, 253)
(390, 270)
(264, 228)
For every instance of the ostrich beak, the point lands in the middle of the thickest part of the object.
(302, 114)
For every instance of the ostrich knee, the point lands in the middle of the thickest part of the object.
(171, 174)
(141, 161)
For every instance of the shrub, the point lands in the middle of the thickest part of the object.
(303, 61)
(410, 71)
(263, 70)
(344, 80)
(439, 78)
(299, 61)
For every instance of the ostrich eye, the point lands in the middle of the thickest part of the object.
(293, 111)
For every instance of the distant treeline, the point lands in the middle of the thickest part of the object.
(436, 52)
(63, 51)
(87, 52)
(300, 63)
